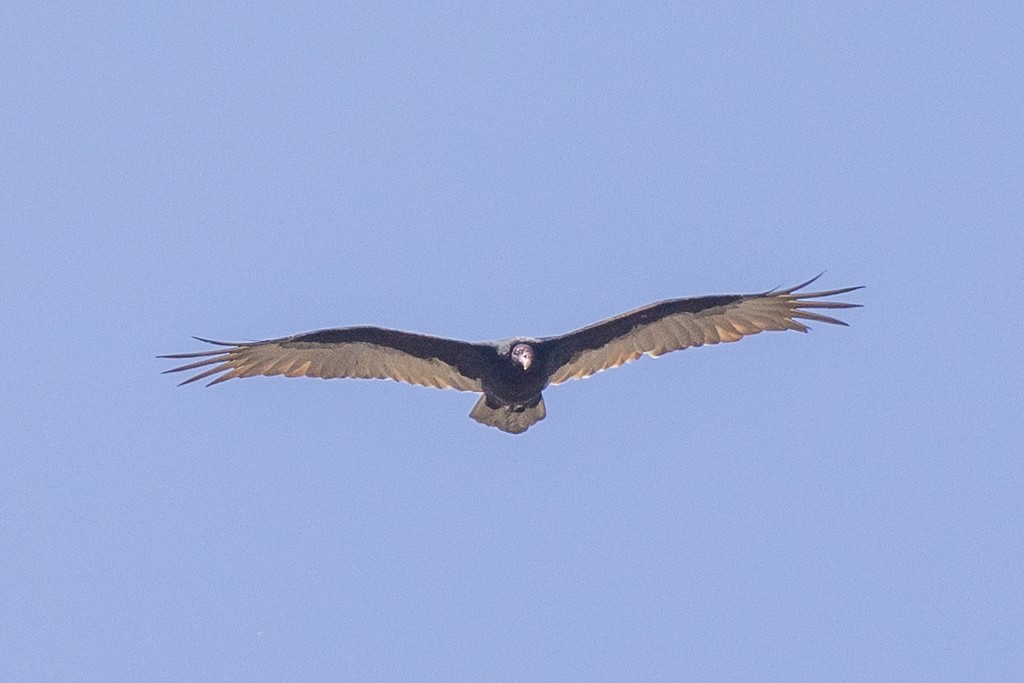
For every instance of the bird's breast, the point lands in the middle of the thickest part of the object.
(513, 385)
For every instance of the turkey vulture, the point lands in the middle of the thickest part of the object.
(512, 373)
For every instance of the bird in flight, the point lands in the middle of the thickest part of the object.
(511, 374)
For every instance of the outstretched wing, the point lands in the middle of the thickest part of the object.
(681, 323)
(361, 352)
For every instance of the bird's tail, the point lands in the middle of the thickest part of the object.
(511, 419)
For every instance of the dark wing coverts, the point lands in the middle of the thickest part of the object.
(357, 352)
(681, 323)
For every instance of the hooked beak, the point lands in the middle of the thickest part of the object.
(523, 355)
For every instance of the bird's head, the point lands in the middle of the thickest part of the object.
(522, 354)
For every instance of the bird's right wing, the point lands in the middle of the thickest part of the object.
(358, 352)
(683, 323)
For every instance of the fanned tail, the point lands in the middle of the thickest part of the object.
(511, 419)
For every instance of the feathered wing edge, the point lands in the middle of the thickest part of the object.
(797, 302)
(363, 353)
(683, 323)
(221, 361)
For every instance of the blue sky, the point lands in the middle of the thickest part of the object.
(845, 504)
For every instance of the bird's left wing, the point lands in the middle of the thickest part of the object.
(358, 352)
(681, 323)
